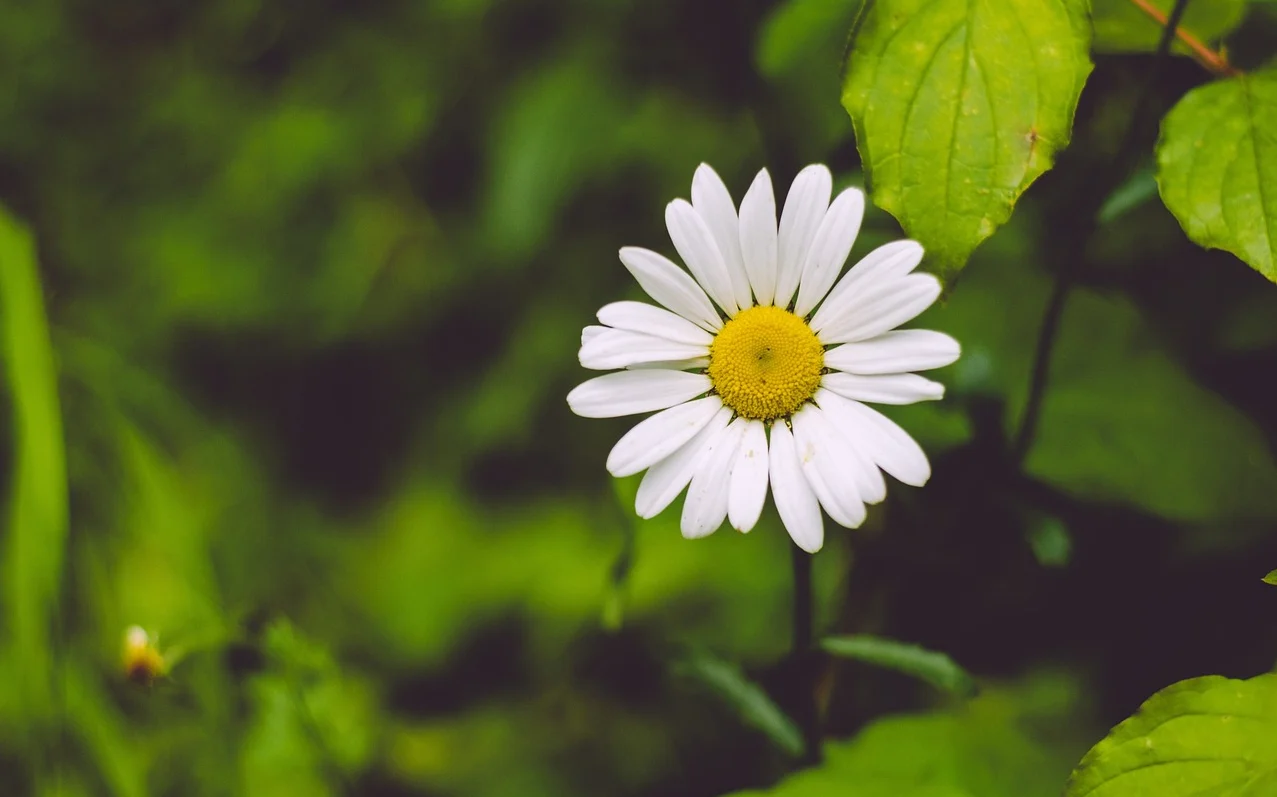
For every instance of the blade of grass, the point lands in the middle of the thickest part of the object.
(37, 486)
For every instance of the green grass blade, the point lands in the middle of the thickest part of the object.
(37, 494)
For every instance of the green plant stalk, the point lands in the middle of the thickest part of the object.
(37, 517)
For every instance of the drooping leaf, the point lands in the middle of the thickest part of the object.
(934, 668)
(1121, 26)
(1217, 167)
(959, 106)
(756, 709)
(37, 490)
(1210, 735)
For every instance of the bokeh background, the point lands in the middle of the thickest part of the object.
(314, 276)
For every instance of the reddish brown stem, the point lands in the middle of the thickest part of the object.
(1214, 61)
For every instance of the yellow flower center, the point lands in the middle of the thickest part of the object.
(765, 363)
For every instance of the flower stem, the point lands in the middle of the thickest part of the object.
(806, 711)
(1072, 254)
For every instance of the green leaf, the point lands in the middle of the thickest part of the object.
(756, 709)
(977, 751)
(1121, 27)
(1271, 578)
(1122, 420)
(313, 726)
(1049, 538)
(959, 106)
(38, 491)
(1217, 167)
(1209, 735)
(934, 668)
(794, 29)
(1137, 190)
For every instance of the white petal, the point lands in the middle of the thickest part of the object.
(706, 504)
(830, 465)
(695, 244)
(671, 286)
(895, 352)
(590, 333)
(694, 364)
(843, 444)
(879, 437)
(713, 201)
(659, 436)
(652, 320)
(666, 479)
(749, 478)
(805, 208)
(884, 264)
(758, 237)
(830, 248)
(884, 388)
(632, 392)
(883, 307)
(620, 348)
(795, 502)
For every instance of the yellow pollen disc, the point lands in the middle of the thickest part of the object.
(765, 363)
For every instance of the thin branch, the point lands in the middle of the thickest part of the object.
(1214, 61)
(1068, 260)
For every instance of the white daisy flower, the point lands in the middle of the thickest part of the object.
(757, 370)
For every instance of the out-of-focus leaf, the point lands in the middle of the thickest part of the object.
(977, 751)
(935, 668)
(797, 27)
(313, 725)
(1122, 27)
(1271, 578)
(1210, 735)
(162, 580)
(37, 489)
(746, 697)
(555, 130)
(1138, 189)
(1217, 165)
(959, 107)
(115, 751)
(800, 51)
(1121, 420)
(1049, 538)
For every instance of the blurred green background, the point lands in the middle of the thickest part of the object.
(314, 276)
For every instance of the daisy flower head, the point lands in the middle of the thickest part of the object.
(759, 362)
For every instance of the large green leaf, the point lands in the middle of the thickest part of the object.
(1217, 167)
(958, 106)
(37, 522)
(1121, 27)
(1122, 420)
(1206, 736)
(978, 751)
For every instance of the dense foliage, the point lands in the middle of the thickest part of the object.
(290, 295)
